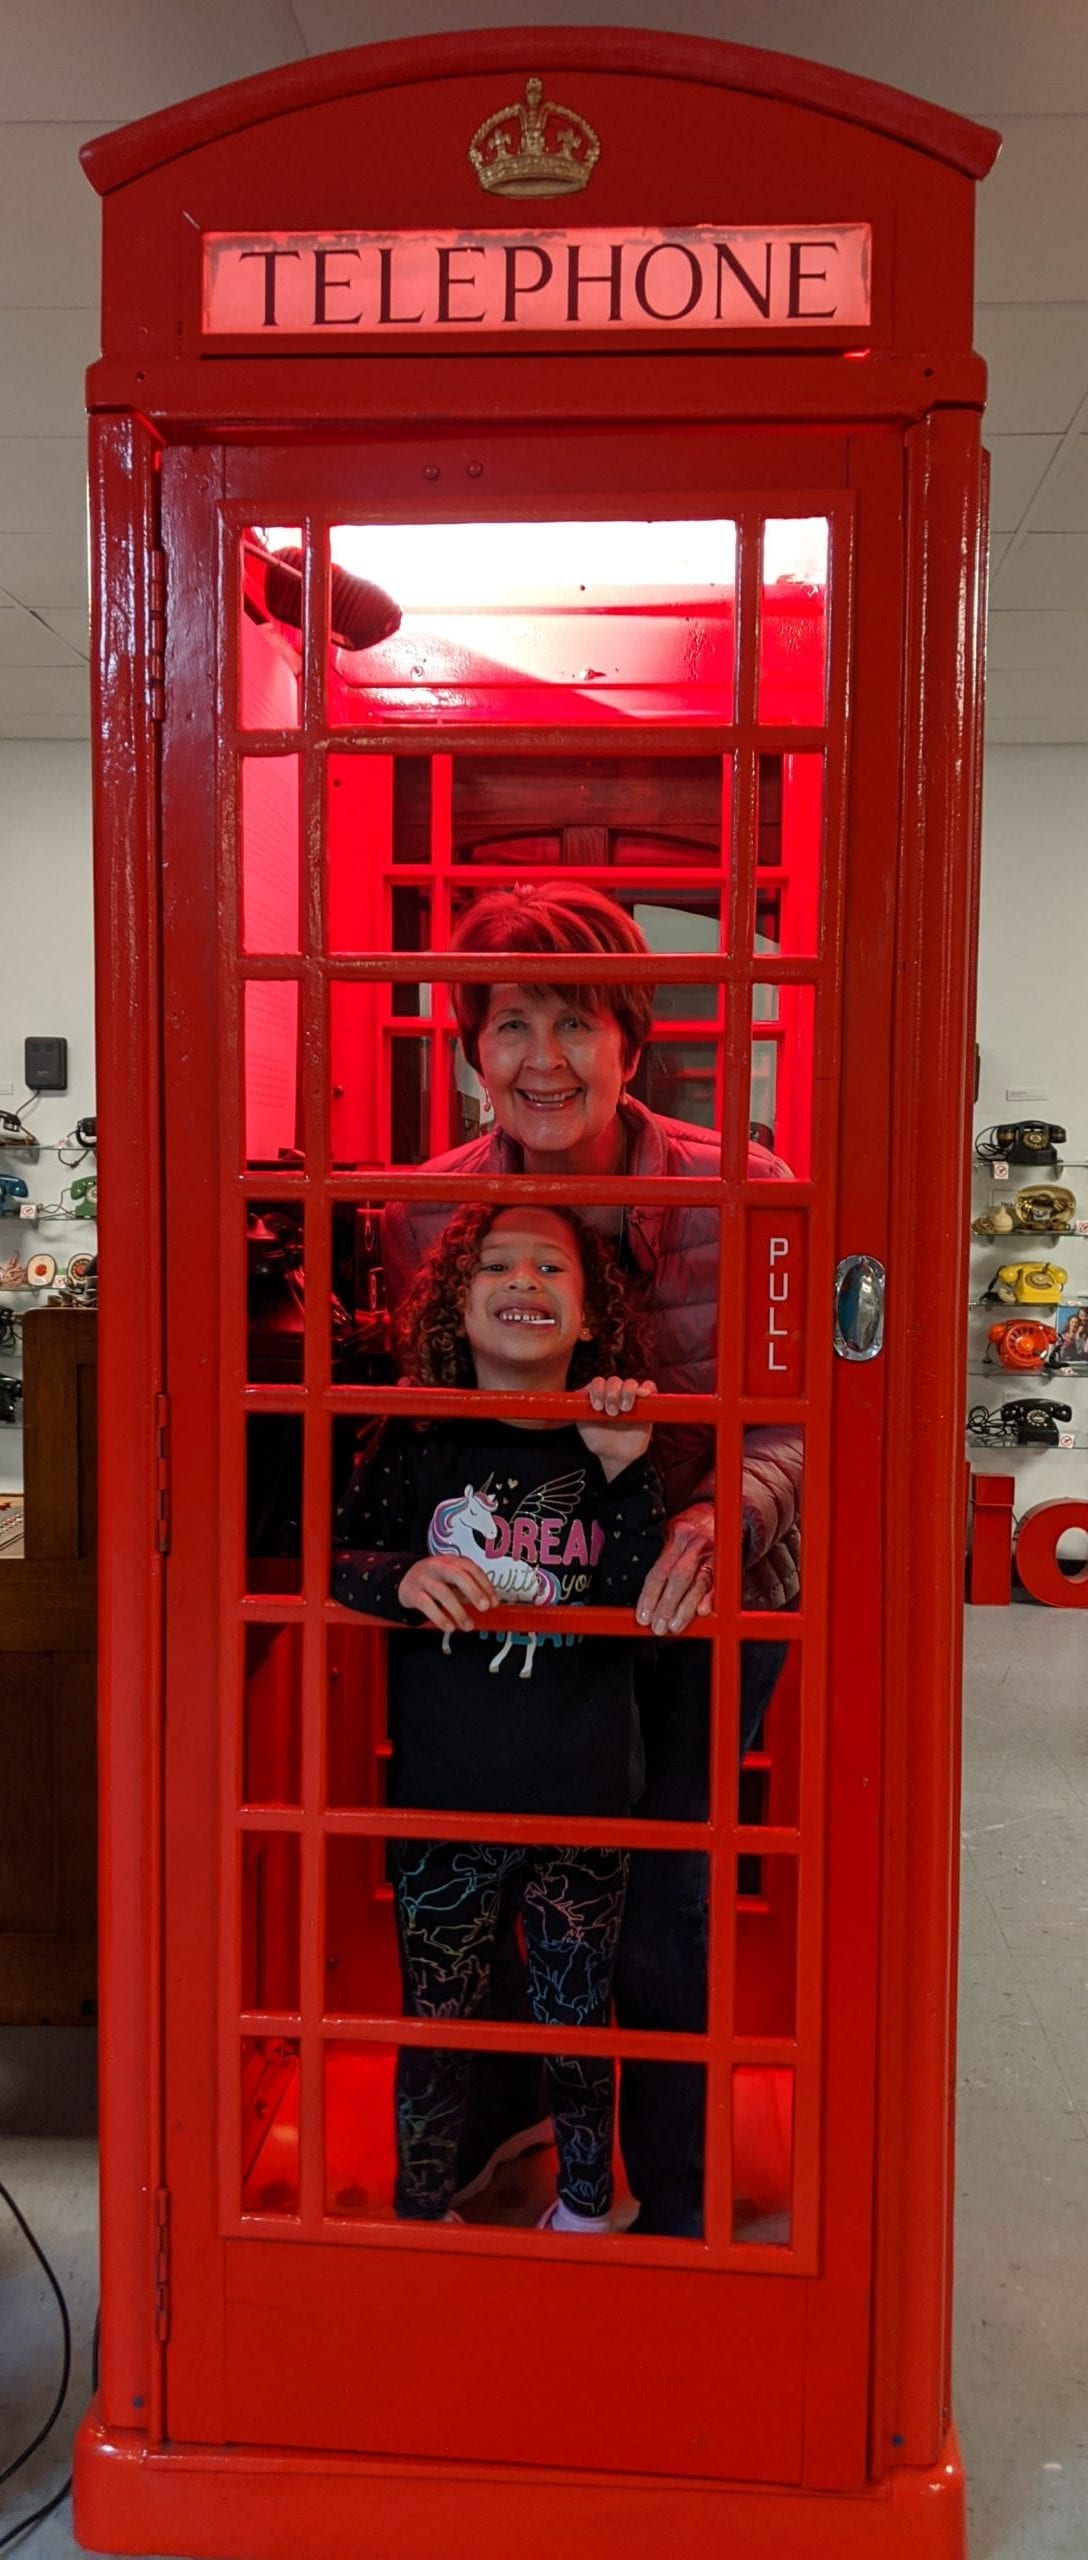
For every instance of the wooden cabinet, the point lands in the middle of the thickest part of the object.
(47, 1687)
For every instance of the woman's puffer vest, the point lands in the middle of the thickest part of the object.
(676, 1249)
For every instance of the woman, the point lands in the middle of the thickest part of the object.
(556, 1054)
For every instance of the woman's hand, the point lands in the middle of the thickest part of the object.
(446, 1589)
(680, 1586)
(617, 1449)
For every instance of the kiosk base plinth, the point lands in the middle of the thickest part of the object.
(250, 2504)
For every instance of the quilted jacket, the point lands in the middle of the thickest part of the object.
(677, 1251)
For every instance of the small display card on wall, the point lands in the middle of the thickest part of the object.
(376, 284)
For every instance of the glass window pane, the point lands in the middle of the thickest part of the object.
(781, 1089)
(270, 854)
(537, 624)
(765, 1990)
(272, 1080)
(270, 1920)
(270, 628)
(359, 817)
(793, 621)
(272, 1760)
(640, 813)
(356, 1743)
(275, 1288)
(376, 2092)
(791, 850)
(679, 1079)
(763, 2102)
(274, 1502)
(270, 2111)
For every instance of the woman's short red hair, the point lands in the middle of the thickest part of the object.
(544, 920)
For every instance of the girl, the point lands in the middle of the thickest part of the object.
(441, 1523)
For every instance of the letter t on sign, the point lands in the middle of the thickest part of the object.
(775, 1332)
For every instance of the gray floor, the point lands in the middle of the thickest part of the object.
(1022, 2327)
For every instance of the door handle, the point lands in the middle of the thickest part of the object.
(860, 1282)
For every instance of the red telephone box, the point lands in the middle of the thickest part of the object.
(636, 372)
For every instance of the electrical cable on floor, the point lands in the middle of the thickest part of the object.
(39, 2513)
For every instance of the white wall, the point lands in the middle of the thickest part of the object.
(1033, 1034)
(46, 985)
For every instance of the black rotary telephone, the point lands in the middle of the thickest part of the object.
(1021, 1142)
(1026, 1421)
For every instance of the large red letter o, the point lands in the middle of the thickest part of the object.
(1037, 1555)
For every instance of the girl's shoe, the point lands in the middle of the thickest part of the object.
(559, 2217)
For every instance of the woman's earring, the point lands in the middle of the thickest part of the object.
(585, 1333)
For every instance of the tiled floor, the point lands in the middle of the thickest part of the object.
(1022, 2326)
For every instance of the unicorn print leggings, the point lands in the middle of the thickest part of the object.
(449, 1895)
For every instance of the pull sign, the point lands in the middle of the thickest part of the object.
(777, 1242)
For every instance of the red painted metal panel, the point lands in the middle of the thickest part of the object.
(250, 1897)
(115, 159)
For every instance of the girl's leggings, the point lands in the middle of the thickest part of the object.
(449, 1895)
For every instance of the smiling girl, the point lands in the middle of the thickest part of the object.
(439, 1525)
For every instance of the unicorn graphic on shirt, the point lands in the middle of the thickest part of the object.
(465, 1526)
(470, 1524)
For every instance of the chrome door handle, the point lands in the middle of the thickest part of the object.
(859, 1307)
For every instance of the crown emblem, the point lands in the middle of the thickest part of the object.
(535, 150)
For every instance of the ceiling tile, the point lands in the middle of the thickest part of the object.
(1037, 733)
(998, 545)
(1038, 362)
(1017, 464)
(43, 358)
(1064, 509)
(132, 56)
(26, 642)
(73, 626)
(1053, 641)
(1033, 212)
(49, 215)
(1037, 694)
(43, 486)
(1049, 569)
(41, 692)
(28, 724)
(974, 56)
(43, 571)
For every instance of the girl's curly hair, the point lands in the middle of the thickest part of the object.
(430, 1329)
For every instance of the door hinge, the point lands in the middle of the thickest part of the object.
(156, 631)
(162, 2263)
(162, 1475)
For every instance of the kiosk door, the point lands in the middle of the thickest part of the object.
(645, 659)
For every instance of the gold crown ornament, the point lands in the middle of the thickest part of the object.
(535, 150)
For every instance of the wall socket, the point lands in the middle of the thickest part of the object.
(46, 1062)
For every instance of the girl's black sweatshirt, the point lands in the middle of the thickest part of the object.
(489, 1723)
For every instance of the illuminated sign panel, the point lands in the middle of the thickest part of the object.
(376, 284)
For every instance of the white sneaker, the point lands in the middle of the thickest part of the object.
(532, 2137)
(559, 2217)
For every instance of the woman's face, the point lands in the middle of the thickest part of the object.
(555, 1071)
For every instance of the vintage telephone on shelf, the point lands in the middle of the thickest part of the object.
(1021, 1142)
(1028, 1284)
(1022, 1343)
(1024, 1423)
(1043, 1209)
